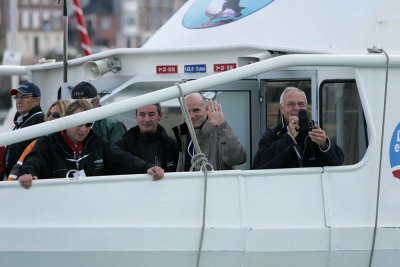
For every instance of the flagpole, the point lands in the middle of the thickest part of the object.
(65, 42)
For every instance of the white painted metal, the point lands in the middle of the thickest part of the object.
(331, 26)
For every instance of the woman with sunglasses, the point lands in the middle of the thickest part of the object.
(56, 110)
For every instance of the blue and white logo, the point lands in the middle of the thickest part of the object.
(198, 68)
(395, 152)
(212, 13)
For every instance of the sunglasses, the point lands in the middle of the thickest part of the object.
(23, 97)
(56, 115)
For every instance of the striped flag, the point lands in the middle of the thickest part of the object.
(85, 43)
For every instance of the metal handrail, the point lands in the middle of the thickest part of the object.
(195, 86)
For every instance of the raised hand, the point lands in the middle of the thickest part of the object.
(214, 113)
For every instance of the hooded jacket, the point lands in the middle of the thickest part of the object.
(109, 128)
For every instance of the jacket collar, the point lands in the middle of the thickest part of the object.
(148, 138)
(76, 148)
(19, 121)
(203, 131)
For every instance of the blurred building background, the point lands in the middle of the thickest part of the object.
(110, 24)
(40, 23)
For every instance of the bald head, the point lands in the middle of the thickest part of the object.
(196, 97)
(197, 109)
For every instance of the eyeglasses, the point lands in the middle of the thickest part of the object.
(292, 104)
(23, 97)
(56, 115)
(87, 125)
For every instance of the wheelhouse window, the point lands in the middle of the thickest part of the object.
(342, 118)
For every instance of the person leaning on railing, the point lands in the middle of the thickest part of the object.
(56, 110)
(80, 152)
(27, 101)
(149, 141)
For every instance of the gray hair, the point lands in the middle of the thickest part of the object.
(158, 107)
(94, 100)
(288, 89)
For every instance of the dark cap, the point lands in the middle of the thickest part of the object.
(26, 89)
(83, 90)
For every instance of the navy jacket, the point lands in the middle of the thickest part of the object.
(277, 150)
(14, 151)
(51, 157)
(139, 145)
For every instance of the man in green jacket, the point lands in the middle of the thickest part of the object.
(109, 128)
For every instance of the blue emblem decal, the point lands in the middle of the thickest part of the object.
(212, 13)
(395, 152)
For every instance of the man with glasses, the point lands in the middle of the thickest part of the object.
(287, 145)
(109, 128)
(79, 152)
(29, 112)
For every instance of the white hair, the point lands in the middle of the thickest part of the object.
(288, 89)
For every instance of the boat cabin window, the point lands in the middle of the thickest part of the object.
(342, 118)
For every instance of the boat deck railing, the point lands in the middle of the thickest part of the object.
(251, 70)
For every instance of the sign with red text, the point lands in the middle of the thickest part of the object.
(224, 67)
(166, 69)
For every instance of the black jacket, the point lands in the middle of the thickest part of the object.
(139, 145)
(51, 157)
(14, 151)
(277, 150)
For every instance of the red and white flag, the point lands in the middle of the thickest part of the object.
(85, 43)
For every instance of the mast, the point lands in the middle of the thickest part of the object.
(13, 43)
(65, 44)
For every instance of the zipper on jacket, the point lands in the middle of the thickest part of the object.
(76, 157)
(304, 151)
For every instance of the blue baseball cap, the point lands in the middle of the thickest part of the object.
(26, 89)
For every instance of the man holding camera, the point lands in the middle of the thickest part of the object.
(287, 145)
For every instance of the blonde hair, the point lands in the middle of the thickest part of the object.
(62, 107)
(82, 104)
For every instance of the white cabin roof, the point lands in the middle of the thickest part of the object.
(313, 25)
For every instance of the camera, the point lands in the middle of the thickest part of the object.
(304, 122)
